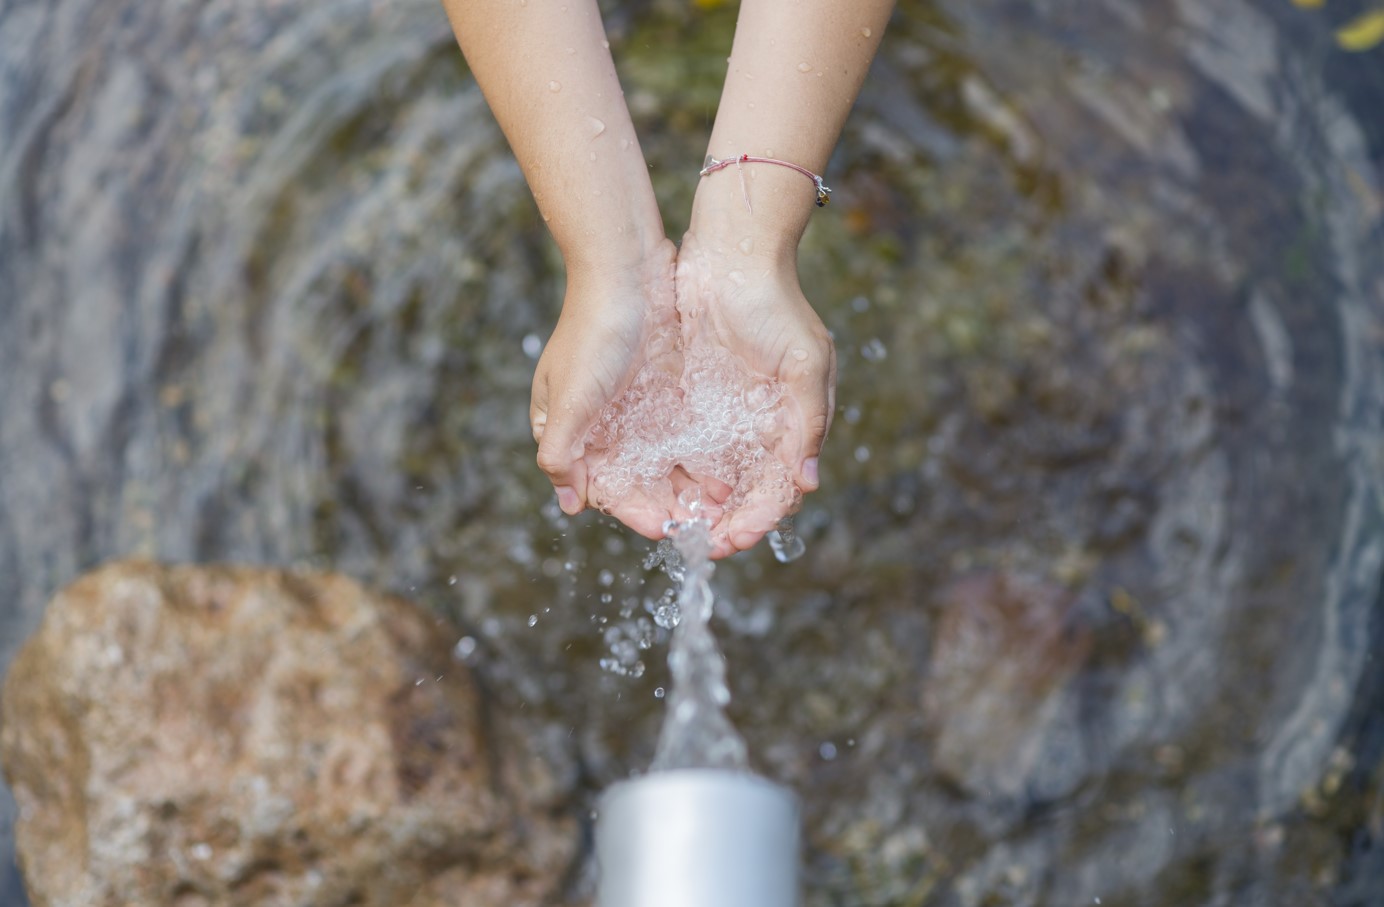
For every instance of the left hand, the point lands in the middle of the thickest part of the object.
(757, 311)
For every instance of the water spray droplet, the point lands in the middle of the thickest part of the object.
(786, 544)
(659, 693)
(533, 347)
(533, 620)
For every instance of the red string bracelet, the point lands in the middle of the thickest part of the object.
(712, 165)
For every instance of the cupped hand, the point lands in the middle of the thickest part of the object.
(602, 339)
(755, 309)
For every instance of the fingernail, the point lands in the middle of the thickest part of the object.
(567, 499)
(810, 471)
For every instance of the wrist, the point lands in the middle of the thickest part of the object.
(765, 230)
(634, 255)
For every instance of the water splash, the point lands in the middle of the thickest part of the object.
(696, 732)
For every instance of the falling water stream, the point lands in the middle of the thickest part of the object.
(696, 732)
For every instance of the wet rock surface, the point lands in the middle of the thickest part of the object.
(1105, 284)
(201, 735)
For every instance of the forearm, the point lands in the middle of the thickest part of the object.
(546, 71)
(794, 73)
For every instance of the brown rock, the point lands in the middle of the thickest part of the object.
(227, 736)
(1004, 650)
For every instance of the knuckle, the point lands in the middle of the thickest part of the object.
(550, 459)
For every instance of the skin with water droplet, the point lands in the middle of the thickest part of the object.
(865, 32)
(746, 245)
(800, 355)
(594, 126)
(555, 86)
(804, 67)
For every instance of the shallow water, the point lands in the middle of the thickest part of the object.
(1092, 600)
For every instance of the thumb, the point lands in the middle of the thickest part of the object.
(812, 384)
(558, 448)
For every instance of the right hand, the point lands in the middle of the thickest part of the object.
(600, 342)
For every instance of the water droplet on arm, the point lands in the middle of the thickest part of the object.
(804, 67)
(555, 86)
(865, 32)
(746, 245)
(594, 127)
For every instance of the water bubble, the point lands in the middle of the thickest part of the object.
(555, 86)
(874, 350)
(804, 67)
(594, 127)
(827, 751)
(659, 693)
(533, 345)
(533, 620)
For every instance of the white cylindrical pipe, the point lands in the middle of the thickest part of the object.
(697, 838)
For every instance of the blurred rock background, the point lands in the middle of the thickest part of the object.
(1092, 601)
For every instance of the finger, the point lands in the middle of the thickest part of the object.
(812, 384)
(749, 525)
(559, 451)
(645, 520)
(714, 489)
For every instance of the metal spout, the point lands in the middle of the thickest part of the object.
(697, 838)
